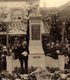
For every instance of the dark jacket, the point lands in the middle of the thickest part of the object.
(18, 51)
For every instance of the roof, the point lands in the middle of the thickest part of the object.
(17, 28)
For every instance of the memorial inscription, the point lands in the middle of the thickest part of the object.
(35, 32)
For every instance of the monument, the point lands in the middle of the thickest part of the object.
(36, 56)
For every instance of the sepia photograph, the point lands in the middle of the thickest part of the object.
(34, 39)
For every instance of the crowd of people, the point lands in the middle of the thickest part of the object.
(21, 51)
(18, 51)
(54, 49)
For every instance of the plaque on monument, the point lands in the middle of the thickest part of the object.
(35, 32)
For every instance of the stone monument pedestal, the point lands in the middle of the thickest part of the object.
(37, 60)
(36, 56)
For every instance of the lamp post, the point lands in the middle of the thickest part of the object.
(7, 35)
(6, 25)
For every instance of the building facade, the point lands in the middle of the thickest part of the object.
(13, 27)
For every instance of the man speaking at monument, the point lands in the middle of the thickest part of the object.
(22, 54)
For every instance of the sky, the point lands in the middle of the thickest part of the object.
(52, 3)
(43, 3)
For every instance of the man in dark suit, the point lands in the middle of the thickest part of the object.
(3, 58)
(22, 52)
